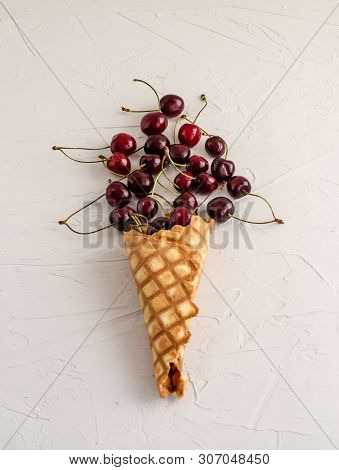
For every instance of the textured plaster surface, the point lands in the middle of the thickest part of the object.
(75, 367)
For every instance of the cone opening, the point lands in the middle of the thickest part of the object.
(174, 377)
(174, 383)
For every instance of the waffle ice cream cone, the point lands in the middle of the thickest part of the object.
(167, 267)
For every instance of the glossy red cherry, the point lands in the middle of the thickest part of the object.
(197, 165)
(189, 134)
(119, 163)
(153, 123)
(238, 186)
(172, 105)
(180, 216)
(160, 223)
(179, 153)
(183, 181)
(118, 194)
(220, 209)
(120, 218)
(215, 146)
(186, 199)
(206, 183)
(124, 143)
(140, 183)
(147, 207)
(156, 144)
(222, 169)
(152, 164)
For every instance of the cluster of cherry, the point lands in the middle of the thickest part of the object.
(193, 174)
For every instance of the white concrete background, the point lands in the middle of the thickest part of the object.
(263, 358)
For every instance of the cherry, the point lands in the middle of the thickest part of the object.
(119, 163)
(183, 181)
(220, 209)
(197, 165)
(222, 169)
(179, 153)
(206, 183)
(140, 183)
(152, 164)
(156, 144)
(180, 216)
(147, 207)
(118, 194)
(124, 143)
(238, 186)
(172, 105)
(153, 123)
(187, 200)
(120, 218)
(160, 223)
(189, 134)
(215, 146)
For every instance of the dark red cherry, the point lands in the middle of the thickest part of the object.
(238, 186)
(179, 153)
(180, 216)
(186, 199)
(197, 165)
(160, 223)
(147, 207)
(152, 164)
(156, 144)
(189, 134)
(183, 181)
(124, 143)
(140, 183)
(153, 123)
(172, 105)
(120, 218)
(215, 146)
(220, 209)
(222, 169)
(206, 183)
(119, 163)
(118, 194)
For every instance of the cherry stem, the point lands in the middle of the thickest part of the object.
(137, 150)
(162, 172)
(157, 180)
(128, 110)
(137, 215)
(136, 219)
(123, 176)
(204, 99)
(160, 204)
(275, 219)
(180, 118)
(176, 166)
(202, 130)
(169, 180)
(162, 197)
(178, 169)
(278, 221)
(62, 222)
(167, 189)
(153, 228)
(102, 158)
(202, 202)
(55, 147)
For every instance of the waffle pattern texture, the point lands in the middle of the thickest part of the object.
(167, 267)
